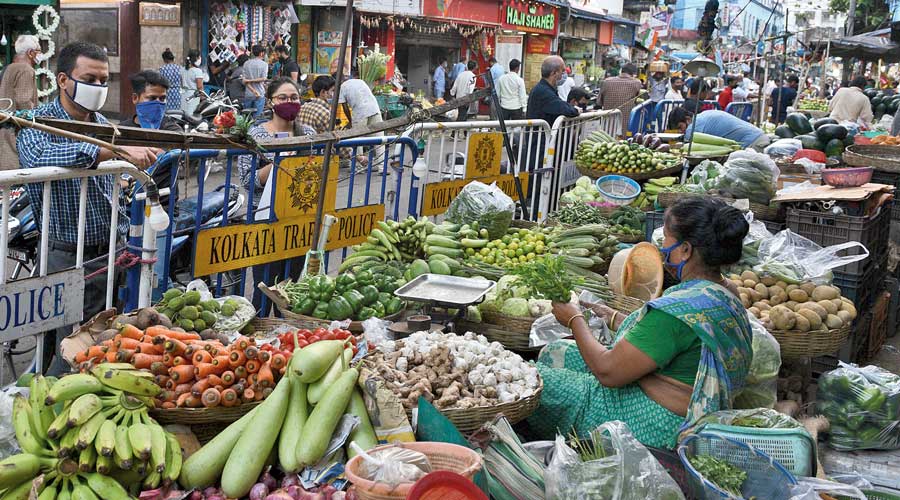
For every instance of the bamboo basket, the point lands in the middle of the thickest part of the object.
(642, 176)
(262, 326)
(884, 158)
(284, 308)
(796, 344)
(765, 212)
(202, 416)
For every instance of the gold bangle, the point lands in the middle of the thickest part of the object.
(569, 324)
(612, 321)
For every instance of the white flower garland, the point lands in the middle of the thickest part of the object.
(36, 20)
(47, 54)
(49, 74)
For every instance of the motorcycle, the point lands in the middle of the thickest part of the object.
(211, 105)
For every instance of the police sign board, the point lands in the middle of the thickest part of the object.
(35, 305)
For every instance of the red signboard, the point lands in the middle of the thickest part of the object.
(530, 17)
(539, 44)
(473, 11)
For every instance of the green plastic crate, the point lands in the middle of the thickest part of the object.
(795, 449)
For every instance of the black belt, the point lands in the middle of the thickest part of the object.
(93, 250)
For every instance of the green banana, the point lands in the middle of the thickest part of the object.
(18, 468)
(83, 408)
(89, 429)
(41, 415)
(122, 449)
(48, 493)
(86, 459)
(106, 487)
(157, 447)
(116, 366)
(126, 380)
(104, 465)
(83, 492)
(20, 492)
(25, 435)
(65, 491)
(67, 444)
(71, 387)
(105, 441)
(174, 459)
(58, 426)
(152, 480)
(141, 442)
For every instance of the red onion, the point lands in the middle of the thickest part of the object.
(259, 491)
(278, 495)
(290, 480)
(217, 496)
(327, 491)
(155, 494)
(294, 491)
(197, 495)
(339, 495)
(212, 490)
(268, 479)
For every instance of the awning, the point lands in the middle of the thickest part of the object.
(872, 45)
(686, 56)
(619, 20)
(584, 14)
(562, 4)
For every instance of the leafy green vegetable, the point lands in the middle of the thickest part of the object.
(549, 278)
(721, 473)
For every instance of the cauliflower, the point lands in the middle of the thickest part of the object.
(540, 307)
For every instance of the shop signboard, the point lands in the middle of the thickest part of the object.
(42, 303)
(405, 7)
(529, 16)
(237, 246)
(470, 11)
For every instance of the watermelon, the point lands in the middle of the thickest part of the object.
(824, 121)
(834, 147)
(798, 123)
(784, 132)
(810, 141)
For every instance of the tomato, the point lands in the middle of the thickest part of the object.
(313, 339)
(320, 331)
(304, 332)
(341, 334)
(352, 339)
(302, 343)
(328, 336)
(355, 350)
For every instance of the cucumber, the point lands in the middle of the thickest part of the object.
(442, 241)
(450, 252)
(474, 243)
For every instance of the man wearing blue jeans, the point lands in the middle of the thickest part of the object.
(256, 71)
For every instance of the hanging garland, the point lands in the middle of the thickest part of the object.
(47, 54)
(36, 21)
(49, 74)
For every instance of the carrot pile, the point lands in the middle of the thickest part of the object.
(193, 372)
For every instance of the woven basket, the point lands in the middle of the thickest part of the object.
(624, 304)
(442, 456)
(469, 420)
(765, 212)
(284, 308)
(796, 344)
(262, 326)
(885, 158)
(509, 331)
(199, 416)
(596, 174)
(206, 432)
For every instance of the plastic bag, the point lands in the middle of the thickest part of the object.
(703, 176)
(626, 471)
(784, 147)
(761, 386)
(810, 166)
(808, 488)
(791, 258)
(8, 444)
(863, 407)
(229, 325)
(393, 466)
(748, 174)
(547, 329)
(757, 418)
(487, 205)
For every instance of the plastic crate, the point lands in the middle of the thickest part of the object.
(792, 448)
(652, 221)
(829, 229)
(860, 289)
(774, 227)
(892, 284)
(891, 179)
(766, 478)
(867, 343)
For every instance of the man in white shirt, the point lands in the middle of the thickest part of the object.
(360, 106)
(497, 72)
(566, 82)
(850, 104)
(676, 89)
(463, 86)
(511, 89)
(739, 93)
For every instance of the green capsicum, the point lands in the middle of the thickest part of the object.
(365, 313)
(354, 298)
(321, 311)
(871, 399)
(378, 307)
(365, 278)
(394, 306)
(344, 282)
(339, 309)
(305, 306)
(321, 288)
(853, 418)
(384, 298)
(370, 294)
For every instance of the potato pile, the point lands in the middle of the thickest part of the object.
(802, 307)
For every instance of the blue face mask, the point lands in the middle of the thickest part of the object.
(667, 252)
(150, 114)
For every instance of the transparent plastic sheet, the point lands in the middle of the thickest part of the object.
(750, 250)
(756, 418)
(748, 174)
(809, 488)
(796, 188)
(8, 444)
(761, 387)
(791, 258)
(863, 407)
(486, 204)
(547, 329)
(810, 166)
(393, 466)
(853, 479)
(703, 176)
(626, 471)
(229, 325)
(784, 147)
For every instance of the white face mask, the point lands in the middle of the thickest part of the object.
(89, 96)
(197, 62)
(562, 78)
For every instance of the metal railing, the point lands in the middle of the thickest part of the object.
(45, 177)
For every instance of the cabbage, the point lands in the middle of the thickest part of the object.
(522, 292)
(579, 191)
(516, 307)
(584, 182)
(473, 314)
(540, 307)
(568, 197)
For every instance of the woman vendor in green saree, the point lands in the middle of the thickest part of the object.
(675, 360)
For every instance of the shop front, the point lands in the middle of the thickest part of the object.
(526, 27)
(578, 46)
(235, 26)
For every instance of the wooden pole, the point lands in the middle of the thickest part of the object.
(22, 123)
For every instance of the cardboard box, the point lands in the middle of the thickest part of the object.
(792, 179)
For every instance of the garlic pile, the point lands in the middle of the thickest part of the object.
(455, 371)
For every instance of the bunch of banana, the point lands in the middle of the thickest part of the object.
(391, 240)
(84, 427)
